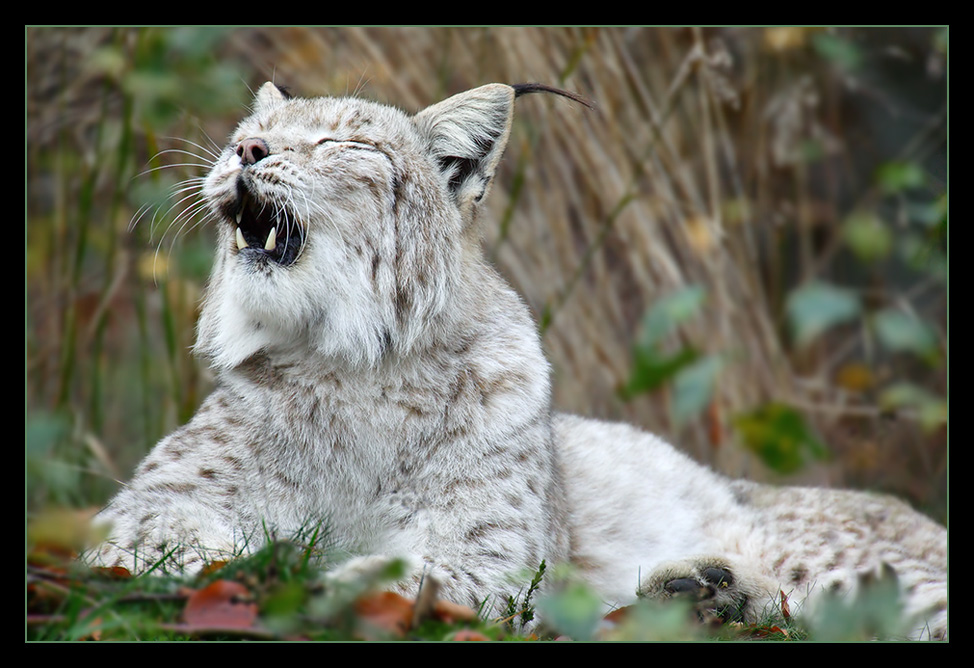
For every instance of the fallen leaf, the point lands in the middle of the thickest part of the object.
(449, 612)
(618, 615)
(386, 612)
(222, 604)
(765, 632)
(855, 377)
(212, 567)
(114, 572)
(469, 634)
(64, 530)
(785, 610)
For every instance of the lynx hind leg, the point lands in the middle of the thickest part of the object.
(827, 544)
(718, 588)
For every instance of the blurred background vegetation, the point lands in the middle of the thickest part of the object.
(743, 249)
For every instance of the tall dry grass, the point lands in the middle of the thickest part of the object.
(735, 165)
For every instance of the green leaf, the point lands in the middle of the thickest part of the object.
(651, 369)
(779, 435)
(873, 611)
(574, 611)
(894, 177)
(901, 332)
(48, 474)
(651, 366)
(693, 387)
(816, 307)
(650, 620)
(282, 605)
(669, 313)
(867, 236)
(928, 213)
(842, 52)
(932, 410)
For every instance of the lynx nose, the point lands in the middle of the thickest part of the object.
(252, 149)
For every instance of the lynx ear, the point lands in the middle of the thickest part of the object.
(467, 134)
(268, 96)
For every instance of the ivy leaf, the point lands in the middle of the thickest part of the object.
(931, 409)
(901, 332)
(669, 313)
(894, 177)
(651, 369)
(693, 387)
(651, 366)
(841, 52)
(779, 435)
(867, 236)
(816, 307)
(574, 611)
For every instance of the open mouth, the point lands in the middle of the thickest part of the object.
(267, 230)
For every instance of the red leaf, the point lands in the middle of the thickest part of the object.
(212, 567)
(114, 572)
(618, 615)
(223, 604)
(449, 612)
(469, 634)
(385, 611)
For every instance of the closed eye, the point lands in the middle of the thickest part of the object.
(351, 143)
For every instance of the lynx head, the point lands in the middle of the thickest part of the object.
(346, 226)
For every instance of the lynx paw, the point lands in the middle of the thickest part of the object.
(718, 591)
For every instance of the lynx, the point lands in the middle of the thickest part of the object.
(375, 374)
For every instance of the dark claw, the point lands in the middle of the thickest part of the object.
(719, 577)
(689, 587)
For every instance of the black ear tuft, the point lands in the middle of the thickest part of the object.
(526, 88)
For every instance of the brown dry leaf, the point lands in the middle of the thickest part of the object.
(765, 632)
(222, 604)
(212, 567)
(114, 572)
(785, 38)
(63, 530)
(855, 377)
(449, 612)
(618, 615)
(785, 610)
(386, 612)
(469, 634)
(700, 235)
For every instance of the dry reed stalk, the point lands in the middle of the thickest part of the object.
(595, 215)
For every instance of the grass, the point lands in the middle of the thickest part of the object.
(280, 592)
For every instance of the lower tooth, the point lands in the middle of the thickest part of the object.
(271, 242)
(241, 244)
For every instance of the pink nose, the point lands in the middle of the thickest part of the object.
(252, 149)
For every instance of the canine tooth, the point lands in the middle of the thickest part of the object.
(271, 242)
(241, 244)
